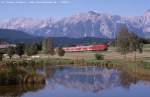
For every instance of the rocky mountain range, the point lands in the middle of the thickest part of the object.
(88, 24)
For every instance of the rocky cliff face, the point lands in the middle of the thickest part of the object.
(90, 24)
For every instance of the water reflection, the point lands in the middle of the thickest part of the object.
(95, 79)
(86, 82)
(87, 79)
(16, 91)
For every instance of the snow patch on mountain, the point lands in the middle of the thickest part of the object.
(89, 24)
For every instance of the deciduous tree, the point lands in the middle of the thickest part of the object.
(123, 41)
(47, 46)
(20, 48)
(10, 51)
(1, 56)
(60, 51)
(129, 42)
(135, 44)
(31, 49)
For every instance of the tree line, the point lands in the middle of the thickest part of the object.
(128, 42)
(45, 47)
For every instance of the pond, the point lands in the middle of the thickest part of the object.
(91, 81)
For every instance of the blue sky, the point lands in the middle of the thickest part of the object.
(59, 9)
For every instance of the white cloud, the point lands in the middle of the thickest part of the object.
(65, 2)
(35, 2)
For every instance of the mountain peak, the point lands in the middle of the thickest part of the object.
(93, 13)
(90, 24)
(148, 10)
(147, 13)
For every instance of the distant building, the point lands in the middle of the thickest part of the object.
(5, 45)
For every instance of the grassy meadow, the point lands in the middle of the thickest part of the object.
(110, 54)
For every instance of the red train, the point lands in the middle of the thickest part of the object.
(98, 47)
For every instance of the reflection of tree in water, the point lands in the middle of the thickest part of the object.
(126, 79)
(93, 79)
(87, 79)
(49, 71)
(133, 76)
(19, 90)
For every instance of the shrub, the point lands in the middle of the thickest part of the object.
(19, 72)
(60, 52)
(1, 56)
(99, 56)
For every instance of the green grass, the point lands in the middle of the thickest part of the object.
(89, 57)
(19, 72)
